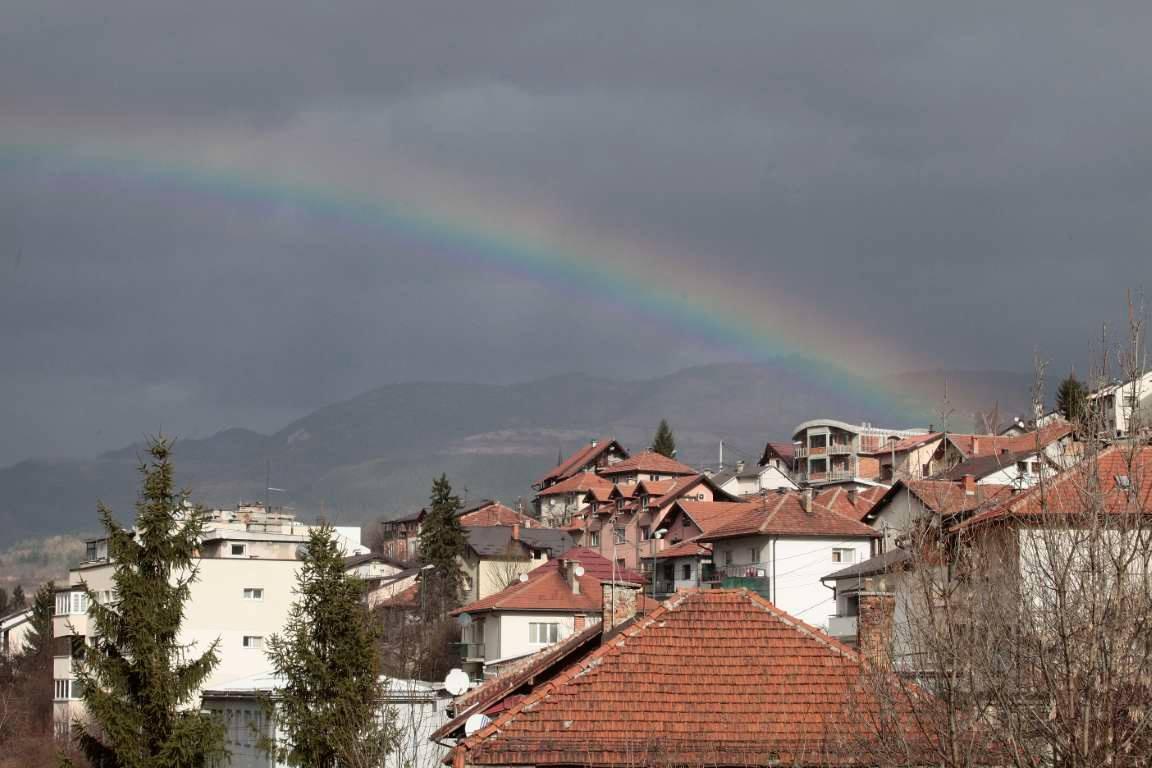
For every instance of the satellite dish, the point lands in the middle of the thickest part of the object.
(475, 723)
(523, 577)
(456, 682)
(578, 570)
(464, 619)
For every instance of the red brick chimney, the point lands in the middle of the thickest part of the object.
(975, 446)
(877, 608)
(515, 531)
(806, 500)
(969, 485)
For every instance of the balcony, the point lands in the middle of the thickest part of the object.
(840, 448)
(831, 476)
(471, 651)
(842, 627)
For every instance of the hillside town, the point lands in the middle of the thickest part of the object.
(835, 604)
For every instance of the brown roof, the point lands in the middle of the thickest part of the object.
(950, 498)
(688, 548)
(716, 677)
(581, 482)
(987, 445)
(405, 598)
(855, 505)
(709, 515)
(495, 513)
(594, 564)
(785, 450)
(546, 589)
(1122, 483)
(784, 514)
(649, 461)
(577, 461)
(908, 443)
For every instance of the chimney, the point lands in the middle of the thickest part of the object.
(515, 531)
(568, 568)
(969, 485)
(740, 465)
(975, 446)
(877, 608)
(595, 442)
(806, 500)
(620, 603)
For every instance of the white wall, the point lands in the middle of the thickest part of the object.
(796, 566)
(507, 633)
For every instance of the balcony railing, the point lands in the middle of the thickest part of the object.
(831, 476)
(471, 651)
(842, 627)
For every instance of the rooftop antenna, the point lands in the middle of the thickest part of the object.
(720, 465)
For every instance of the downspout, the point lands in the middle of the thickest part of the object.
(774, 538)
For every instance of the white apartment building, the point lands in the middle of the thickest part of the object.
(830, 451)
(247, 573)
(1121, 402)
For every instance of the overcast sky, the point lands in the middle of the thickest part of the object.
(968, 180)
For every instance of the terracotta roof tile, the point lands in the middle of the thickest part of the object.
(649, 461)
(495, 513)
(709, 515)
(593, 563)
(688, 548)
(855, 505)
(577, 461)
(950, 498)
(717, 677)
(1122, 475)
(784, 514)
(581, 482)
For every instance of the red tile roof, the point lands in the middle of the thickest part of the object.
(546, 589)
(406, 598)
(577, 461)
(709, 515)
(594, 564)
(1120, 475)
(717, 678)
(907, 443)
(495, 513)
(987, 445)
(783, 514)
(580, 482)
(950, 498)
(649, 461)
(689, 548)
(854, 505)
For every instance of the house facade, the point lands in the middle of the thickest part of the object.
(831, 451)
(1120, 403)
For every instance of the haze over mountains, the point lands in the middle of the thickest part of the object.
(375, 455)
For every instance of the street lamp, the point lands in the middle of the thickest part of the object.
(656, 535)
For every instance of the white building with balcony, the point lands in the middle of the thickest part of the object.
(829, 451)
(1122, 403)
(247, 570)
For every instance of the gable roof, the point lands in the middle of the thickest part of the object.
(594, 564)
(1067, 494)
(648, 461)
(493, 513)
(708, 515)
(891, 560)
(905, 443)
(783, 514)
(980, 467)
(578, 460)
(376, 557)
(855, 504)
(761, 686)
(987, 445)
(686, 548)
(581, 482)
(546, 589)
(496, 540)
(783, 450)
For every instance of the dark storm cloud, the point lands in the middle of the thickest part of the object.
(971, 180)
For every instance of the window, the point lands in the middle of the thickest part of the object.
(621, 538)
(727, 558)
(255, 642)
(67, 689)
(594, 538)
(71, 603)
(541, 633)
(61, 603)
(841, 555)
(79, 602)
(752, 555)
(817, 441)
(645, 532)
(253, 593)
(653, 477)
(686, 571)
(90, 551)
(239, 550)
(644, 501)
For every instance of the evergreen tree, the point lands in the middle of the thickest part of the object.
(137, 679)
(441, 546)
(1072, 398)
(664, 443)
(19, 602)
(3, 601)
(327, 657)
(38, 643)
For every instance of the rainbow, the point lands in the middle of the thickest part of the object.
(536, 242)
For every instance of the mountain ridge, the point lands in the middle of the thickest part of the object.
(375, 454)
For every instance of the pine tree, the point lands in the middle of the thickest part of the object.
(1072, 398)
(137, 679)
(19, 602)
(36, 655)
(441, 546)
(664, 443)
(3, 601)
(327, 657)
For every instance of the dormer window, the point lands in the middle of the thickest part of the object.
(644, 501)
